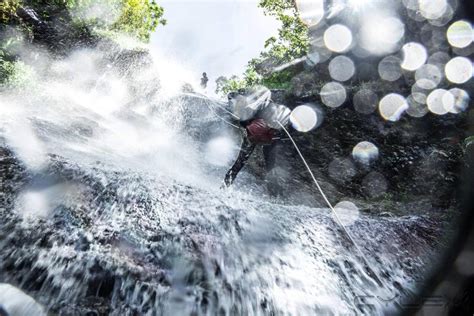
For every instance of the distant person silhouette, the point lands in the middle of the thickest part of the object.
(204, 80)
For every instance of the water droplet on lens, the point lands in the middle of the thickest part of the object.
(333, 94)
(443, 19)
(220, 151)
(341, 169)
(304, 118)
(392, 106)
(410, 4)
(440, 101)
(365, 152)
(341, 68)
(461, 100)
(374, 184)
(460, 34)
(310, 11)
(415, 108)
(439, 59)
(389, 68)
(338, 38)
(380, 32)
(428, 76)
(432, 9)
(414, 56)
(365, 101)
(459, 70)
(347, 213)
(419, 94)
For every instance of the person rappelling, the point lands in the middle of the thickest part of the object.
(261, 120)
(204, 80)
(264, 122)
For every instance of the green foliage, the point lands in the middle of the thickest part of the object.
(136, 18)
(14, 73)
(8, 10)
(293, 40)
(469, 141)
(278, 80)
(292, 43)
(6, 70)
(139, 18)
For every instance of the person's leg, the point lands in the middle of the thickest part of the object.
(245, 151)
(269, 155)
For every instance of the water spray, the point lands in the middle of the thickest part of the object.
(369, 270)
(363, 258)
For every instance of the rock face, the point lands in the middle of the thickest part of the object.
(419, 160)
(126, 242)
(58, 32)
(104, 227)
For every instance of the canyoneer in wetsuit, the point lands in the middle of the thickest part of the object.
(260, 117)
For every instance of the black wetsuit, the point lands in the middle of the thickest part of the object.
(262, 120)
(246, 150)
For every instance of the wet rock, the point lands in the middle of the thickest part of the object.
(419, 158)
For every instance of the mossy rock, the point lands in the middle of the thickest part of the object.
(468, 142)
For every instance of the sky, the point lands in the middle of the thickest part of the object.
(218, 37)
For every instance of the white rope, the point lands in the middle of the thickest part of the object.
(331, 207)
(338, 220)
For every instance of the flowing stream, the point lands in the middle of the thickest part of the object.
(112, 205)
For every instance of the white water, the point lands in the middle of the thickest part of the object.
(142, 168)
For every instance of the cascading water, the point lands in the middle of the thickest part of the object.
(112, 205)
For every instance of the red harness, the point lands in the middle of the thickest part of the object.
(259, 132)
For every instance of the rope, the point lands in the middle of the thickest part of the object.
(366, 262)
(369, 270)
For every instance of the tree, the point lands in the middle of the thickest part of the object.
(81, 18)
(139, 18)
(292, 43)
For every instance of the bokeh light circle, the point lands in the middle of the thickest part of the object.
(389, 68)
(432, 9)
(380, 32)
(428, 76)
(414, 56)
(460, 34)
(419, 94)
(333, 94)
(365, 152)
(347, 213)
(415, 108)
(338, 38)
(440, 101)
(459, 70)
(392, 106)
(445, 18)
(365, 101)
(304, 118)
(310, 11)
(341, 68)
(342, 169)
(374, 184)
(220, 151)
(461, 100)
(439, 59)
